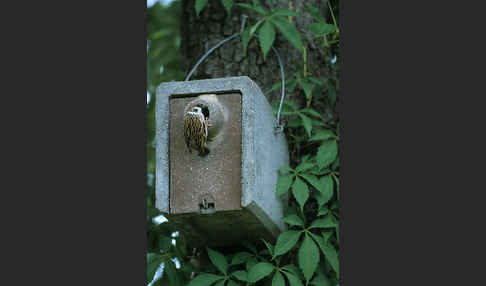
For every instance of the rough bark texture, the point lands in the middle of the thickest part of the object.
(201, 33)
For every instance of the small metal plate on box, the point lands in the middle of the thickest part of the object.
(215, 178)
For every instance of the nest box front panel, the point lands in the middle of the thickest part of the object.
(212, 182)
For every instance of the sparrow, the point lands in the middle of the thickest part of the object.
(196, 123)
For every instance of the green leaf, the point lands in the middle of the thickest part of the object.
(323, 134)
(291, 268)
(259, 9)
(329, 252)
(317, 238)
(285, 241)
(327, 235)
(304, 166)
(248, 33)
(245, 39)
(319, 172)
(307, 87)
(335, 165)
(312, 180)
(172, 273)
(240, 257)
(293, 220)
(327, 188)
(336, 222)
(308, 257)
(266, 36)
(318, 123)
(241, 275)
(321, 280)
(153, 262)
(200, 4)
(227, 5)
(327, 153)
(305, 158)
(278, 279)
(252, 261)
(254, 28)
(315, 80)
(283, 12)
(323, 210)
(283, 183)
(311, 112)
(326, 222)
(218, 260)
(244, 5)
(331, 256)
(320, 29)
(269, 247)
(286, 168)
(204, 279)
(288, 31)
(290, 104)
(232, 283)
(336, 179)
(259, 271)
(293, 280)
(307, 123)
(300, 192)
(277, 86)
(321, 200)
(332, 93)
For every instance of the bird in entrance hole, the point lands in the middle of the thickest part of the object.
(196, 123)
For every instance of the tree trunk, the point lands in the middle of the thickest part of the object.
(201, 33)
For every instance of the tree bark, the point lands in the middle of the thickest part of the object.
(201, 33)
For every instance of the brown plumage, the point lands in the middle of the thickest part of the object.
(196, 130)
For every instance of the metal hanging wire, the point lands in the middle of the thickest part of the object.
(278, 126)
(242, 27)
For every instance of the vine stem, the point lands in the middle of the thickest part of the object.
(332, 14)
(290, 8)
(304, 54)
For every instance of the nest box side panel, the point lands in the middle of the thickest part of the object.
(271, 153)
(162, 147)
(264, 152)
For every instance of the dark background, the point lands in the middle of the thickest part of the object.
(75, 147)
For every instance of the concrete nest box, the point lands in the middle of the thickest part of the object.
(228, 195)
